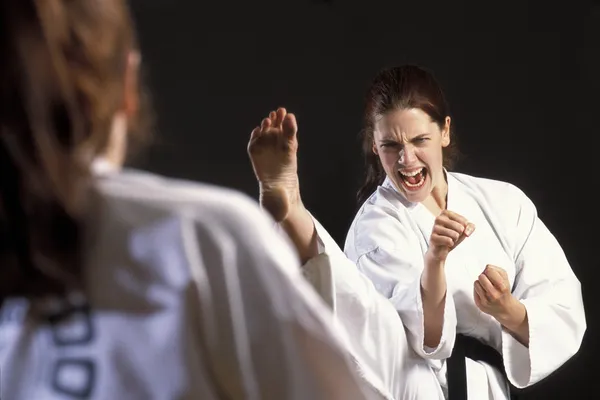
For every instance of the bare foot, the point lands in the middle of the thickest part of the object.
(272, 150)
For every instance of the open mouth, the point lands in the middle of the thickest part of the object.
(413, 180)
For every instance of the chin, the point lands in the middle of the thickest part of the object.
(414, 197)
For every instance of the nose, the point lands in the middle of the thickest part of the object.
(407, 156)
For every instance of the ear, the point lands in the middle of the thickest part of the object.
(446, 133)
(131, 101)
(375, 148)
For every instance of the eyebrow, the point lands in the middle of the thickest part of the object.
(390, 139)
(421, 136)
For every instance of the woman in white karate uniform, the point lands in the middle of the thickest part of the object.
(373, 331)
(124, 285)
(458, 254)
(507, 277)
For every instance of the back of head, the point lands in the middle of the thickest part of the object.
(61, 82)
(399, 88)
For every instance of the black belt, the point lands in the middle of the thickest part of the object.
(466, 346)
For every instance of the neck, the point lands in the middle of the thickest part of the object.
(117, 143)
(437, 200)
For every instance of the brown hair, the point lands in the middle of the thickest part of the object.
(62, 80)
(398, 88)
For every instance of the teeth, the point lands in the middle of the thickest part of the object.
(411, 173)
(413, 186)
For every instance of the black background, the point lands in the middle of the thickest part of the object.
(522, 79)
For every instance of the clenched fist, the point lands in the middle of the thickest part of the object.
(492, 292)
(449, 230)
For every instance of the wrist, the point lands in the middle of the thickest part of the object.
(433, 282)
(514, 317)
(432, 262)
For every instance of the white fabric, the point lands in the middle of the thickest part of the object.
(191, 295)
(374, 332)
(389, 237)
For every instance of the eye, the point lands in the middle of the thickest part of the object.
(389, 144)
(421, 140)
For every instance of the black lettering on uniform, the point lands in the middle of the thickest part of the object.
(75, 377)
(78, 328)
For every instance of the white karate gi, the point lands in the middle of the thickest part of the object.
(389, 237)
(190, 295)
(374, 332)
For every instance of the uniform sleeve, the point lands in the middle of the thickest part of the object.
(551, 293)
(390, 256)
(375, 333)
(265, 333)
(399, 278)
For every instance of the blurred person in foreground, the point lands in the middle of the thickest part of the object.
(120, 284)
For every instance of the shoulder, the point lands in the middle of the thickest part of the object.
(486, 185)
(383, 221)
(163, 195)
(138, 198)
(502, 197)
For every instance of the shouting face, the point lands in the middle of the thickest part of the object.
(409, 145)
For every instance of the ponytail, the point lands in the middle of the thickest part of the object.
(61, 83)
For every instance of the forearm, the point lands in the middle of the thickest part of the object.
(300, 228)
(433, 293)
(516, 322)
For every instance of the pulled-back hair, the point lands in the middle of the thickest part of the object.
(400, 88)
(62, 80)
